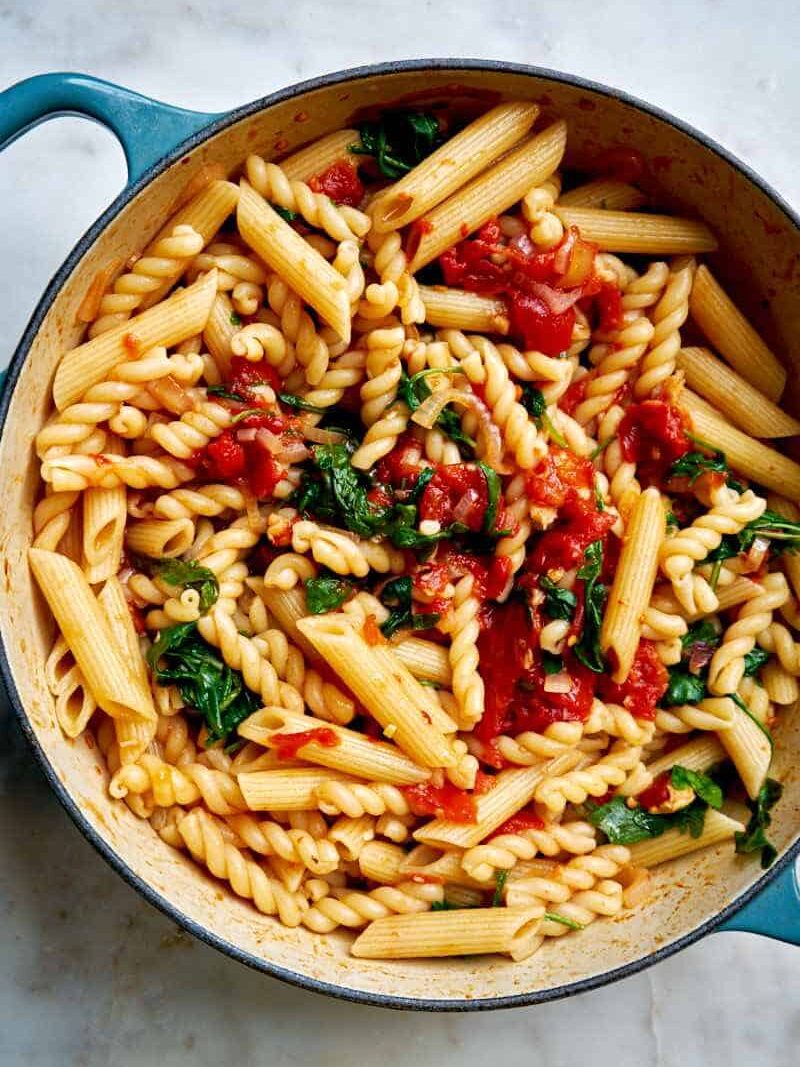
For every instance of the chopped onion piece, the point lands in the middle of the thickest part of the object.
(491, 450)
(323, 437)
(557, 683)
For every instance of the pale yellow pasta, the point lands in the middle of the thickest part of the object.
(490, 193)
(342, 553)
(606, 193)
(103, 528)
(101, 659)
(303, 268)
(506, 850)
(511, 931)
(668, 315)
(749, 746)
(456, 309)
(733, 337)
(627, 231)
(160, 538)
(633, 583)
(452, 165)
(74, 703)
(352, 753)
(594, 779)
(180, 316)
(672, 843)
(385, 418)
(764, 465)
(700, 754)
(726, 669)
(408, 713)
(307, 163)
(730, 392)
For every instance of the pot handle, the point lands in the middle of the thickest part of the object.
(147, 129)
(774, 912)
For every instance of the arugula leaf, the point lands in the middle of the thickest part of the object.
(692, 464)
(398, 141)
(415, 493)
(349, 490)
(554, 917)
(500, 879)
(224, 393)
(396, 595)
(671, 519)
(594, 594)
(683, 688)
(326, 593)
(600, 449)
(558, 603)
(190, 575)
(532, 399)
(625, 826)
(599, 503)
(492, 497)
(753, 838)
(754, 661)
(284, 212)
(704, 786)
(300, 404)
(771, 525)
(701, 632)
(552, 663)
(743, 707)
(204, 680)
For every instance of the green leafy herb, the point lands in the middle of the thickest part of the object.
(190, 575)
(599, 503)
(702, 632)
(500, 879)
(205, 682)
(299, 403)
(326, 593)
(447, 905)
(235, 320)
(349, 490)
(414, 390)
(753, 838)
(671, 519)
(558, 603)
(492, 497)
(713, 579)
(532, 399)
(784, 534)
(692, 464)
(396, 595)
(588, 648)
(398, 141)
(418, 489)
(552, 663)
(704, 786)
(600, 449)
(284, 212)
(689, 686)
(754, 661)
(625, 826)
(554, 917)
(241, 415)
(224, 394)
(743, 707)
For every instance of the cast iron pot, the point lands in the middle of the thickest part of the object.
(759, 253)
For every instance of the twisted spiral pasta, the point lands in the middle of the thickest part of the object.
(237, 273)
(730, 512)
(546, 227)
(461, 623)
(391, 266)
(205, 840)
(713, 713)
(615, 366)
(268, 838)
(555, 883)
(777, 639)
(528, 748)
(506, 850)
(260, 340)
(519, 434)
(324, 699)
(576, 785)
(183, 437)
(669, 315)
(108, 470)
(623, 486)
(355, 799)
(386, 419)
(182, 785)
(726, 669)
(242, 654)
(616, 721)
(343, 554)
(344, 907)
(318, 210)
(165, 259)
(287, 570)
(206, 500)
(297, 328)
(517, 507)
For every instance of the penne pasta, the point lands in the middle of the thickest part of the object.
(300, 265)
(102, 661)
(478, 931)
(746, 406)
(672, 843)
(627, 231)
(160, 538)
(180, 316)
(764, 465)
(351, 753)
(701, 754)
(749, 745)
(105, 512)
(292, 789)
(633, 583)
(455, 309)
(450, 167)
(307, 163)
(732, 335)
(409, 714)
(604, 193)
(489, 194)
(222, 324)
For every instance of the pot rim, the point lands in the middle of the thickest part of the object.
(156, 899)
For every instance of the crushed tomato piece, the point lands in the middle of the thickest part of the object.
(287, 746)
(443, 801)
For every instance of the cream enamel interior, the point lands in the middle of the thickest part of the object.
(758, 261)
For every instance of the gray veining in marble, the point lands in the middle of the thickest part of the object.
(90, 974)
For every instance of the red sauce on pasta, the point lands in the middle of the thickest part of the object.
(643, 688)
(525, 819)
(287, 746)
(657, 793)
(341, 183)
(653, 435)
(443, 801)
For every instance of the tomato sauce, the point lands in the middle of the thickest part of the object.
(558, 477)
(245, 375)
(371, 632)
(653, 435)
(657, 793)
(443, 801)
(643, 688)
(458, 484)
(562, 546)
(287, 746)
(341, 183)
(525, 819)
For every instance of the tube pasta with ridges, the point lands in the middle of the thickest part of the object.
(627, 231)
(442, 933)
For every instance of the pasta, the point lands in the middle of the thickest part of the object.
(427, 606)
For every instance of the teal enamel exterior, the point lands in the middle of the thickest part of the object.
(149, 130)
(146, 128)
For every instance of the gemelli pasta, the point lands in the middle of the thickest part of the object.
(409, 548)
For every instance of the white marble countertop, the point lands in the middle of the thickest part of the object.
(90, 974)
